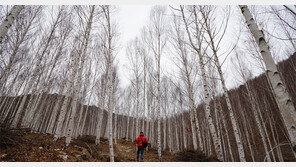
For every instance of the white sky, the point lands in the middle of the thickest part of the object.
(130, 19)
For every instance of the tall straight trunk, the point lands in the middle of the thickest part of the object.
(176, 127)
(164, 133)
(258, 123)
(281, 95)
(281, 159)
(115, 122)
(265, 128)
(144, 97)
(110, 78)
(110, 112)
(57, 105)
(184, 129)
(128, 117)
(198, 130)
(4, 102)
(79, 124)
(193, 119)
(158, 108)
(245, 127)
(169, 133)
(101, 111)
(133, 129)
(81, 127)
(7, 70)
(46, 83)
(148, 121)
(209, 143)
(137, 104)
(58, 132)
(6, 24)
(8, 117)
(216, 112)
(78, 85)
(231, 113)
(209, 118)
(274, 139)
(193, 115)
(227, 135)
(49, 39)
(229, 106)
(222, 134)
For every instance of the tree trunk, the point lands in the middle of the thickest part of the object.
(281, 95)
(209, 118)
(6, 24)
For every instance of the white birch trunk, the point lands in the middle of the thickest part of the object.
(184, 132)
(78, 85)
(281, 95)
(58, 132)
(27, 89)
(115, 122)
(227, 135)
(261, 132)
(170, 133)
(229, 106)
(209, 118)
(128, 116)
(110, 111)
(101, 111)
(80, 125)
(216, 111)
(6, 24)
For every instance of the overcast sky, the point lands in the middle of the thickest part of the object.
(131, 18)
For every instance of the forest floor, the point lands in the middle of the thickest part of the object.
(21, 146)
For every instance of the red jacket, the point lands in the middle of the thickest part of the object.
(139, 140)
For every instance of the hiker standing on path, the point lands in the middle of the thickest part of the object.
(142, 144)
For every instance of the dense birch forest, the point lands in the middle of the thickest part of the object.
(218, 80)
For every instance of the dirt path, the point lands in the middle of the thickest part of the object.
(128, 151)
(41, 148)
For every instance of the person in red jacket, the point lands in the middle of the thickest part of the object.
(139, 141)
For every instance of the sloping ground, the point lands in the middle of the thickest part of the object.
(21, 146)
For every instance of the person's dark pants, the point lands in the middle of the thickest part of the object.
(140, 149)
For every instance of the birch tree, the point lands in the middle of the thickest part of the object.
(187, 72)
(110, 46)
(78, 84)
(245, 74)
(133, 54)
(214, 35)
(157, 42)
(198, 49)
(281, 95)
(6, 23)
(37, 68)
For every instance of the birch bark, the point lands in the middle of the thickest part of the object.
(281, 95)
